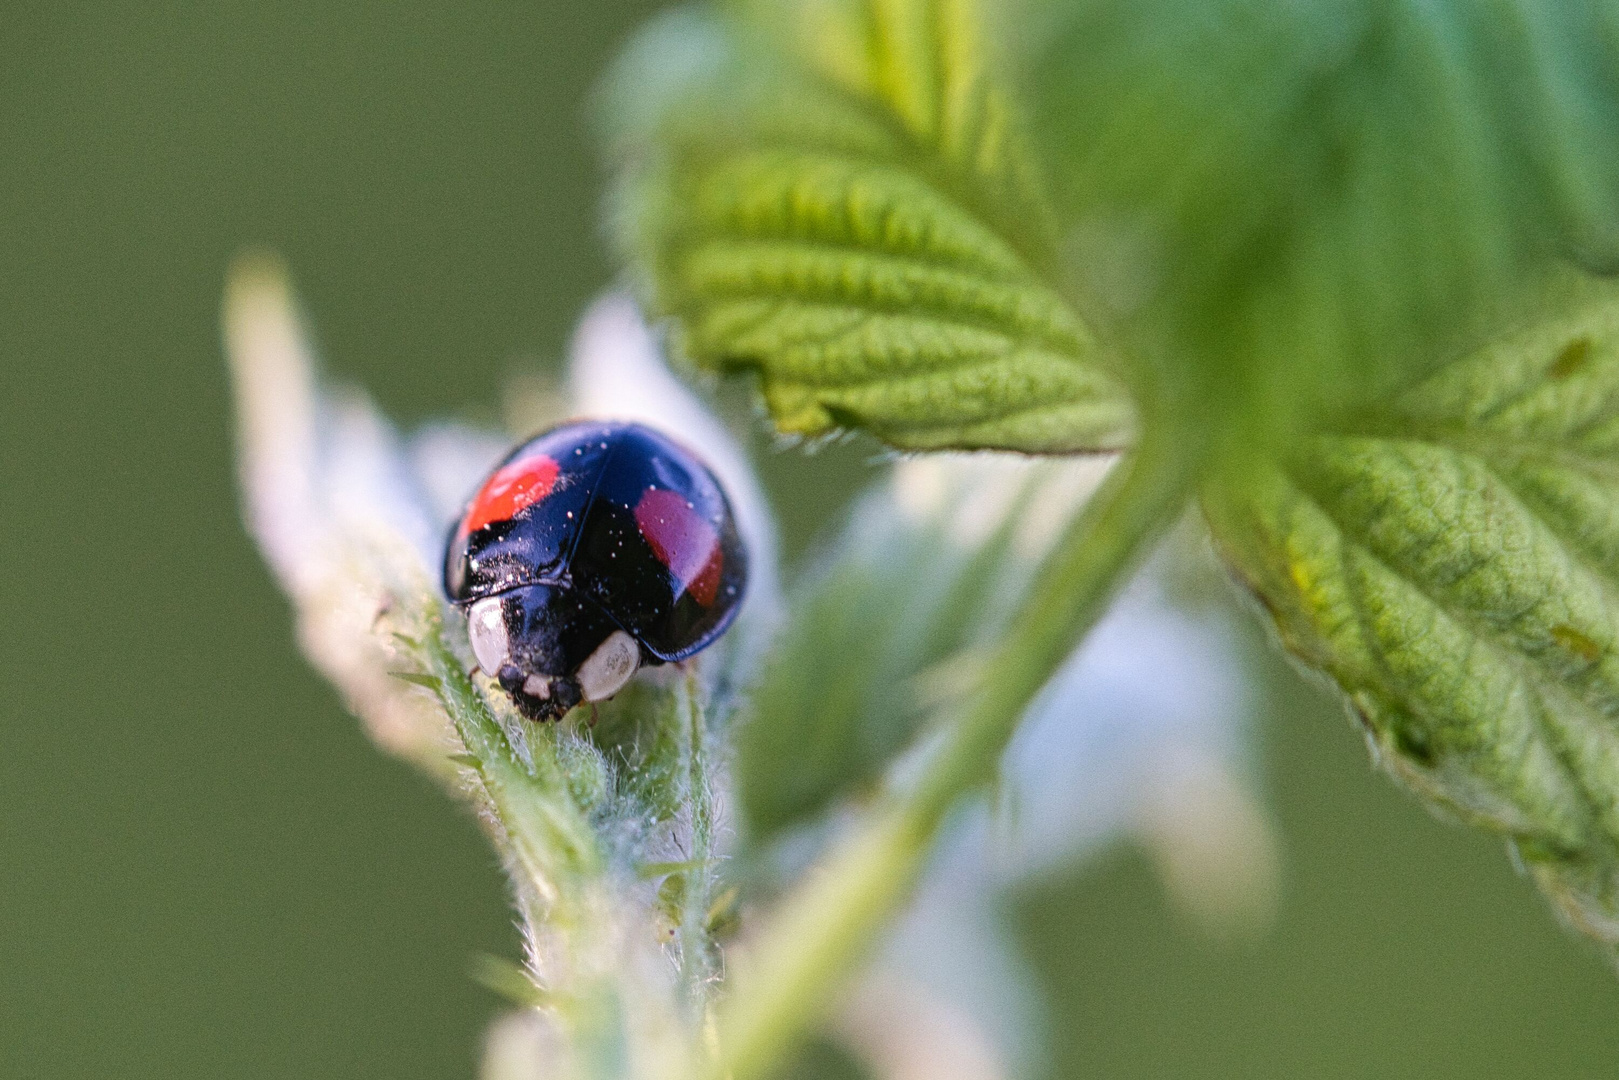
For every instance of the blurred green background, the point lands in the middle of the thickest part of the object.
(208, 872)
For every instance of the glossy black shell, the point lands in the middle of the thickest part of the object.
(633, 525)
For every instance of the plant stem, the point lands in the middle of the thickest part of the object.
(696, 954)
(550, 840)
(825, 927)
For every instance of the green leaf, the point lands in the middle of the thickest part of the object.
(1302, 207)
(823, 1059)
(837, 197)
(1452, 561)
(650, 870)
(431, 682)
(507, 978)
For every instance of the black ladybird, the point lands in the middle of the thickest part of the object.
(593, 549)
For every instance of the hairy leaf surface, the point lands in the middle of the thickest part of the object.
(1453, 563)
(838, 198)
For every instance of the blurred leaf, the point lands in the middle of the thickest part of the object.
(507, 978)
(885, 628)
(837, 196)
(1303, 207)
(823, 1059)
(431, 682)
(648, 871)
(1453, 562)
(724, 916)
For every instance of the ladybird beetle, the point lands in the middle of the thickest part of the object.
(593, 549)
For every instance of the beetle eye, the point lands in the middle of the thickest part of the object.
(486, 626)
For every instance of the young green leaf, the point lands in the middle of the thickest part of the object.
(837, 196)
(1453, 563)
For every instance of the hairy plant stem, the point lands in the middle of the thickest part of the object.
(696, 950)
(826, 926)
(550, 841)
(554, 860)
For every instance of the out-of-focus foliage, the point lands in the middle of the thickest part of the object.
(1453, 561)
(823, 1059)
(1300, 207)
(839, 197)
(885, 629)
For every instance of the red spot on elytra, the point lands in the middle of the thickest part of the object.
(515, 486)
(683, 541)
